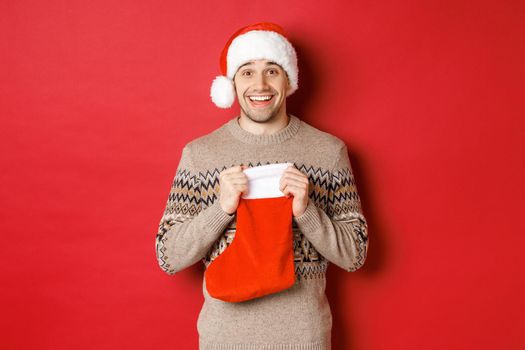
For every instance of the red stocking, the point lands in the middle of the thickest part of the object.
(260, 260)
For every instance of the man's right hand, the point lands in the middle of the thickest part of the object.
(233, 182)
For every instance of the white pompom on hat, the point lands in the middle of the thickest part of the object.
(262, 40)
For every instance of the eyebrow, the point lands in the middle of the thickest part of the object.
(271, 63)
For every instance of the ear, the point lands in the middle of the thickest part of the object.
(233, 80)
(288, 87)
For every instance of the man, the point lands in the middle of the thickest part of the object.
(260, 70)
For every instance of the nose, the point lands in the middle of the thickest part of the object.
(260, 82)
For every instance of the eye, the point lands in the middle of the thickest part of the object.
(246, 73)
(272, 71)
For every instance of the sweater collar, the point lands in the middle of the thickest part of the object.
(268, 139)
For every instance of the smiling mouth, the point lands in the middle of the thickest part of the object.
(259, 101)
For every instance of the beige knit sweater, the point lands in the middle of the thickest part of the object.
(332, 229)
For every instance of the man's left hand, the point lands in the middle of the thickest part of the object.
(293, 182)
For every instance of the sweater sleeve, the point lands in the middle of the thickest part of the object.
(340, 234)
(186, 231)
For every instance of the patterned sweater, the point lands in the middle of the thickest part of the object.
(332, 229)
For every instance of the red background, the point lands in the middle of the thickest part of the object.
(99, 97)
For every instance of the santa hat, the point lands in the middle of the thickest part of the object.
(262, 40)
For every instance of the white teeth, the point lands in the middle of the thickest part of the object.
(260, 98)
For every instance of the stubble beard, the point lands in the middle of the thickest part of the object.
(258, 117)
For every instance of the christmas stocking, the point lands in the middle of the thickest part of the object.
(260, 260)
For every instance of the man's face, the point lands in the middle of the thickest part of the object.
(261, 87)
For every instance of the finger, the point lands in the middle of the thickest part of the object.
(233, 175)
(241, 188)
(293, 176)
(293, 170)
(236, 182)
(237, 176)
(293, 180)
(288, 191)
(294, 191)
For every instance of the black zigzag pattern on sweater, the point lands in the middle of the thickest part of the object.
(182, 204)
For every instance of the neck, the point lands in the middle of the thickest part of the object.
(268, 127)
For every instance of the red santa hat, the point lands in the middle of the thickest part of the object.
(262, 40)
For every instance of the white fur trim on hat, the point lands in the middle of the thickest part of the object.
(222, 92)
